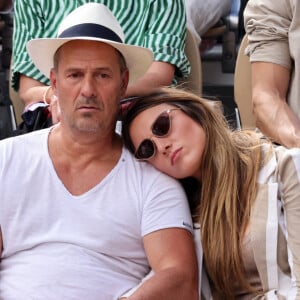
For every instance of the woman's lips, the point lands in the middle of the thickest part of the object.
(175, 156)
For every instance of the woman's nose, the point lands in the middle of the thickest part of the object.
(163, 146)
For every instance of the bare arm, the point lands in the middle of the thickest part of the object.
(32, 91)
(159, 74)
(171, 254)
(275, 118)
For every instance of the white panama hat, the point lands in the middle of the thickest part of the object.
(93, 22)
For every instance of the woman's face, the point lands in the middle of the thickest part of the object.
(179, 152)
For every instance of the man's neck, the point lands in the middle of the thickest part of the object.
(82, 163)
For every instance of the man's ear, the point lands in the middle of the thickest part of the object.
(53, 80)
(124, 82)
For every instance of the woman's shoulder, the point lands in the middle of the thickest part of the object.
(276, 160)
(279, 152)
(287, 158)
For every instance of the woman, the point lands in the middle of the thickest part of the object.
(244, 191)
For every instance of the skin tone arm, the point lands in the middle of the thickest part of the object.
(275, 118)
(159, 74)
(32, 91)
(171, 254)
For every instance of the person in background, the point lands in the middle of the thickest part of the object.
(273, 29)
(244, 191)
(86, 220)
(6, 5)
(157, 25)
(202, 15)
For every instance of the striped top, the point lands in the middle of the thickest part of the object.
(155, 24)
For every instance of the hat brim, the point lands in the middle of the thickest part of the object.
(41, 51)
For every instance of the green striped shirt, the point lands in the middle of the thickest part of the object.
(155, 24)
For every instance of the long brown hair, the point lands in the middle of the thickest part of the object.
(230, 165)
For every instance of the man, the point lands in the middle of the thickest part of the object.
(158, 25)
(273, 29)
(86, 221)
(202, 15)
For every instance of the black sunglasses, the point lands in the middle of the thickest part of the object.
(160, 128)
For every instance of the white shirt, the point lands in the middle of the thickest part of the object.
(61, 246)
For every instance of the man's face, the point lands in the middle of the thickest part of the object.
(89, 84)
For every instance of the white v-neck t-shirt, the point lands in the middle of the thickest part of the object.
(60, 246)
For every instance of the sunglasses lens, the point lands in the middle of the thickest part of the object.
(145, 150)
(161, 126)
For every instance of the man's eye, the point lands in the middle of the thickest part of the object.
(74, 75)
(104, 75)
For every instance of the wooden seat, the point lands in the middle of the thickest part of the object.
(194, 82)
(243, 88)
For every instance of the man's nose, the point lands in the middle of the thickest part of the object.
(89, 87)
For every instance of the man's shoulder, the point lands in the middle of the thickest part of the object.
(20, 142)
(141, 166)
(144, 172)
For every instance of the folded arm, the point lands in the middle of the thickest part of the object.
(32, 91)
(275, 118)
(159, 74)
(171, 255)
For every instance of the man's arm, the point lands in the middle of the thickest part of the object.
(172, 257)
(275, 118)
(159, 74)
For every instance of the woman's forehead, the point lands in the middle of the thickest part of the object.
(144, 120)
(157, 109)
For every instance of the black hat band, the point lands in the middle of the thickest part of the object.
(91, 30)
